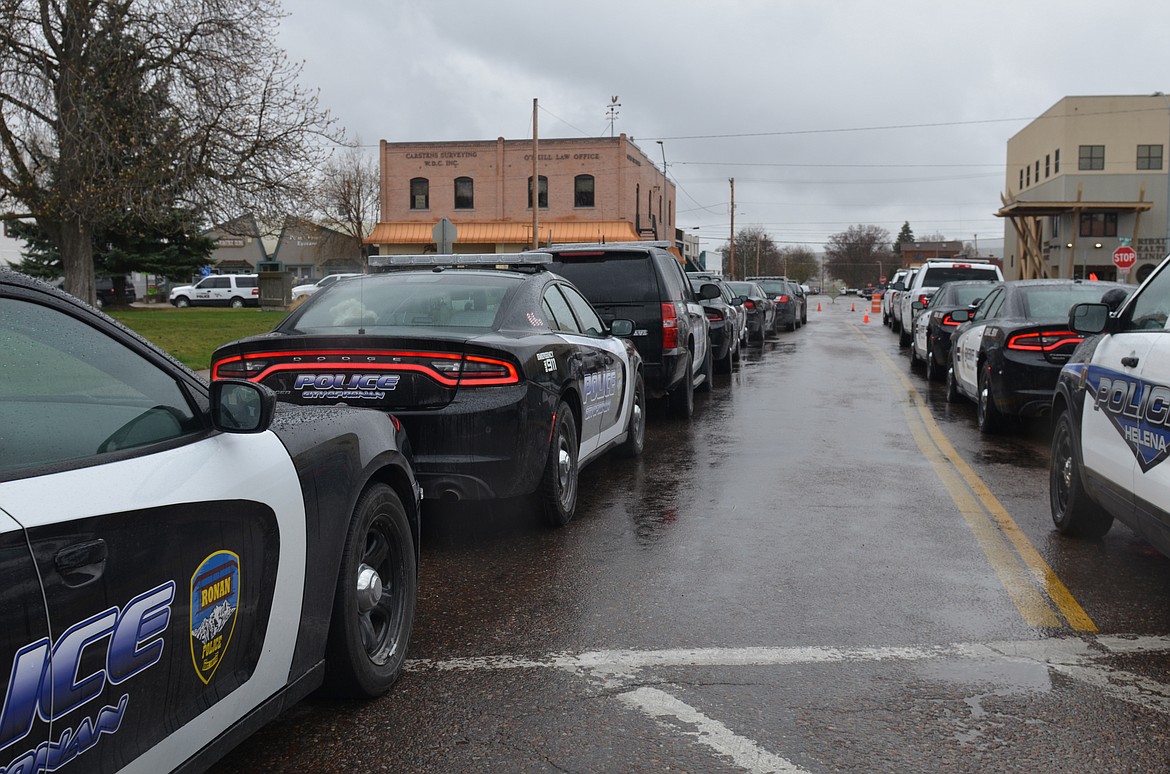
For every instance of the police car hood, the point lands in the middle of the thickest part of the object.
(411, 368)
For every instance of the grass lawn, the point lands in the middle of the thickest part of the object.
(192, 334)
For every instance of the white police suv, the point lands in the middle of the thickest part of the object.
(180, 562)
(1111, 416)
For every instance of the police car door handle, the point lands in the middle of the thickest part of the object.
(1129, 362)
(81, 563)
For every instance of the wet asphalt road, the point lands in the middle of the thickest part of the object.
(828, 569)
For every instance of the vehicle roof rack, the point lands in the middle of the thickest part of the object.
(536, 260)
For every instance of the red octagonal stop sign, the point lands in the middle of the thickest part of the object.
(1124, 257)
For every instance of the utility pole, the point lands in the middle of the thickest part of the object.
(534, 189)
(732, 259)
(758, 236)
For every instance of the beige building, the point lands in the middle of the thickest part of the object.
(1086, 177)
(588, 190)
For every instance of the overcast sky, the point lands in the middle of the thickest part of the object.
(827, 113)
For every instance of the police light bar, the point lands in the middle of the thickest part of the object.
(461, 259)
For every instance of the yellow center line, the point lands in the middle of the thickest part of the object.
(988, 520)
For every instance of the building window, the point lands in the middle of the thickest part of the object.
(1098, 224)
(1149, 157)
(1056, 162)
(464, 193)
(542, 196)
(1037, 176)
(583, 191)
(1021, 178)
(1047, 165)
(1054, 226)
(1092, 157)
(1028, 175)
(420, 193)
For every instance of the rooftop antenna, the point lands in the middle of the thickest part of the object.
(612, 112)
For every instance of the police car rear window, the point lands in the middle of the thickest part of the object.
(1044, 301)
(423, 300)
(610, 277)
(937, 275)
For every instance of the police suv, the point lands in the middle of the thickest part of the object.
(1111, 417)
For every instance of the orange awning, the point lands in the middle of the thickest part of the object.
(506, 232)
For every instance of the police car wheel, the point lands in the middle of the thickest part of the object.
(708, 372)
(953, 394)
(987, 416)
(1073, 512)
(682, 398)
(636, 430)
(559, 487)
(237, 303)
(933, 370)
(373, 606)
(182, 302)
(723, 364)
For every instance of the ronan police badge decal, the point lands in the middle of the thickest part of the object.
(215, 598)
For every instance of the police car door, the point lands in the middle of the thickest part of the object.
(581, 361)
(172, 557)
(970, 340)
(1126, 422)
(606, 394)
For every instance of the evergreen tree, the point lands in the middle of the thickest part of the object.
(905, 235)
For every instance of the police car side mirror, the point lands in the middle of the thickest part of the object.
(737, 301)
(709, 290)
(622, 328)
(961, 315)
(917, 306)
(1088, 318)
(239, 406)
(899, 286)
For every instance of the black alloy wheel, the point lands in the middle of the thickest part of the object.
(1073, 512)
(987, 415)
(635, 441)
(558, 488)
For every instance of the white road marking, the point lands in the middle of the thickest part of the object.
(1079, 658)
(707, 731)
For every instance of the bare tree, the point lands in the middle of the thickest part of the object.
(755, 254)
(859, 255)
(800, 263)
(347, 197)
(115, 108)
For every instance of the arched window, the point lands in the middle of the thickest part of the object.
(420, 193)
(542, 196)
(583, 191)
(464, 193)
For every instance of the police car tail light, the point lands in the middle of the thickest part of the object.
(714, 315)
(669, 326)
(782, 299)
(923, 299)
(949, 319)
(478, 371)
(1044, 341)
(749, 305)
(238, 368)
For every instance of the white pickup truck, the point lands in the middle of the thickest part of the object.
(929, 277)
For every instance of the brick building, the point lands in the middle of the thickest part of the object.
(589, 189)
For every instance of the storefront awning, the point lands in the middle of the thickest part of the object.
(501, 232)
(1041, 209)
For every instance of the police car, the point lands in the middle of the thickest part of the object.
(505, 377)
(1112, 419)
(180, 562)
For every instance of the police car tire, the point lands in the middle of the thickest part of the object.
(682, 398)
(558, 489)
(366, 649)
(953, 394)
(1073, 511)
(903, 336)
(987, 416)
(708, 372)
(635, 441)
(182, 302)
(933, 369)
(237, 303)
(723, 364)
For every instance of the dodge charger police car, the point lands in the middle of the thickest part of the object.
(506, 378)
(180, 562)
(1112, 419)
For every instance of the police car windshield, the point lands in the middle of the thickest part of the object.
(410, 300)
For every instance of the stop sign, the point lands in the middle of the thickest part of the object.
(1124, 257)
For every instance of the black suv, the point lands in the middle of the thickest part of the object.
(641, 281)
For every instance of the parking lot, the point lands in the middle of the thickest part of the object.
(829, 568)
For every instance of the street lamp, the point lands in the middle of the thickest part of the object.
(662, 200)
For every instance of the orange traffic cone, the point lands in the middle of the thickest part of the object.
(853, 307)
(818, 307)
(866, 318)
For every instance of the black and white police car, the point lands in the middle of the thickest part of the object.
(181, 562)
(504, 376)
(1112, 419)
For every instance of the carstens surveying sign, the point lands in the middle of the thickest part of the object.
(1124, 257)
